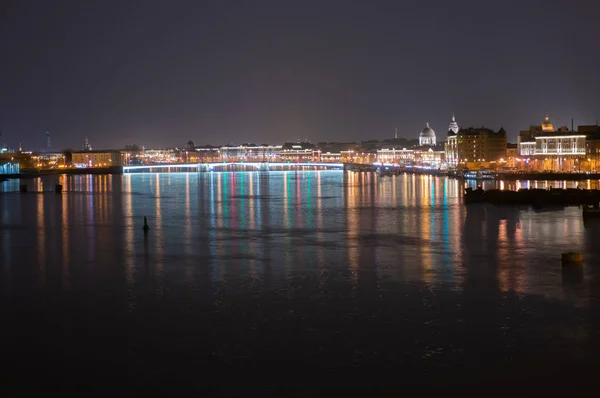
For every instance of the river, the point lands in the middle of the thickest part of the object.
(287, 283)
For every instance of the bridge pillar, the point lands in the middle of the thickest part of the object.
(203, 167)
(263, 166)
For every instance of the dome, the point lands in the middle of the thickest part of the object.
(427, 132)
(427, 136)
(547, 125)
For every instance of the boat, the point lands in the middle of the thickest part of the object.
(479, 175)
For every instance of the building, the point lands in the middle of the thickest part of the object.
(592, 157)
(205, 154)
(427, 136)
(9, 167)
(512, 156)
(401, 156)
(433, 157)
(299, 152)
(158, 156)
(543, 148)
(453, 126)
(96, 158)
(547, 126)
(480, 147)
(251, 153)
(451, 149)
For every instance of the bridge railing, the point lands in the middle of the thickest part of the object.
(174, 167)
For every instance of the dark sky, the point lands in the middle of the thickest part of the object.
(159, 73)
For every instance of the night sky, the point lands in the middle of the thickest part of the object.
(160, 73)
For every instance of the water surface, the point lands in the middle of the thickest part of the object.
(309, 277)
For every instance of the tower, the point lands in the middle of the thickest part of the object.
(396, 133)
(48, 141)
(547, 125)
(453, 125)
(86, 146)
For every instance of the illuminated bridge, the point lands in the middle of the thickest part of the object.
(231, 166)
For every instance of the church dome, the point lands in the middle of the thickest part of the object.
(427, 132)
(547, 125)
(427, 136)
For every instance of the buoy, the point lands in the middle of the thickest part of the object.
(572, 258)
(146, 227)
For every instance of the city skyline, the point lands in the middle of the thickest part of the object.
(216, 72)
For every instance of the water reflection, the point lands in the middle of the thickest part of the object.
(362, 228)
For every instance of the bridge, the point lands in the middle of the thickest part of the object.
(227, 166)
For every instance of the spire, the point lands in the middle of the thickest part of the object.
(453, 119)
(396, 133)
(427, 124)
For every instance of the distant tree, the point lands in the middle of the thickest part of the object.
(132, 148)
(191, 145)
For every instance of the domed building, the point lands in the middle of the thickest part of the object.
(427, 136)
(547, 125)
(453, 125)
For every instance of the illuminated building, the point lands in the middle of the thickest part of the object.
(512, 155)
(50, 160)
(396, 156)
(158, 156)
(453, 126)
(451, 144)
(207, 153)
(543, 148)
(96, 158)
(330, 156)
(547, 125)
(591, 162)
(480, 147)
(9, 167)
(298, 152)
(451, 149)
(429, 157)
(251, 153)
(427, 136)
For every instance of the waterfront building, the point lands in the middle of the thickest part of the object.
(298, 152)
(159, 156)
(591, 162)
(430, 157)
(451, 149)
(332, 157)
(547, 126)
(526, 144)
(96, 158)
(401, 156)
(542, 148)
(9, 167)
(205, 154)
(251, 153)
(480, 147)
(512, 156)
(427, 136)
(49, 160)
(453, 126)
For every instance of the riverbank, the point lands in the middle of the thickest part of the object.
(69, 171)
(548, 176)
